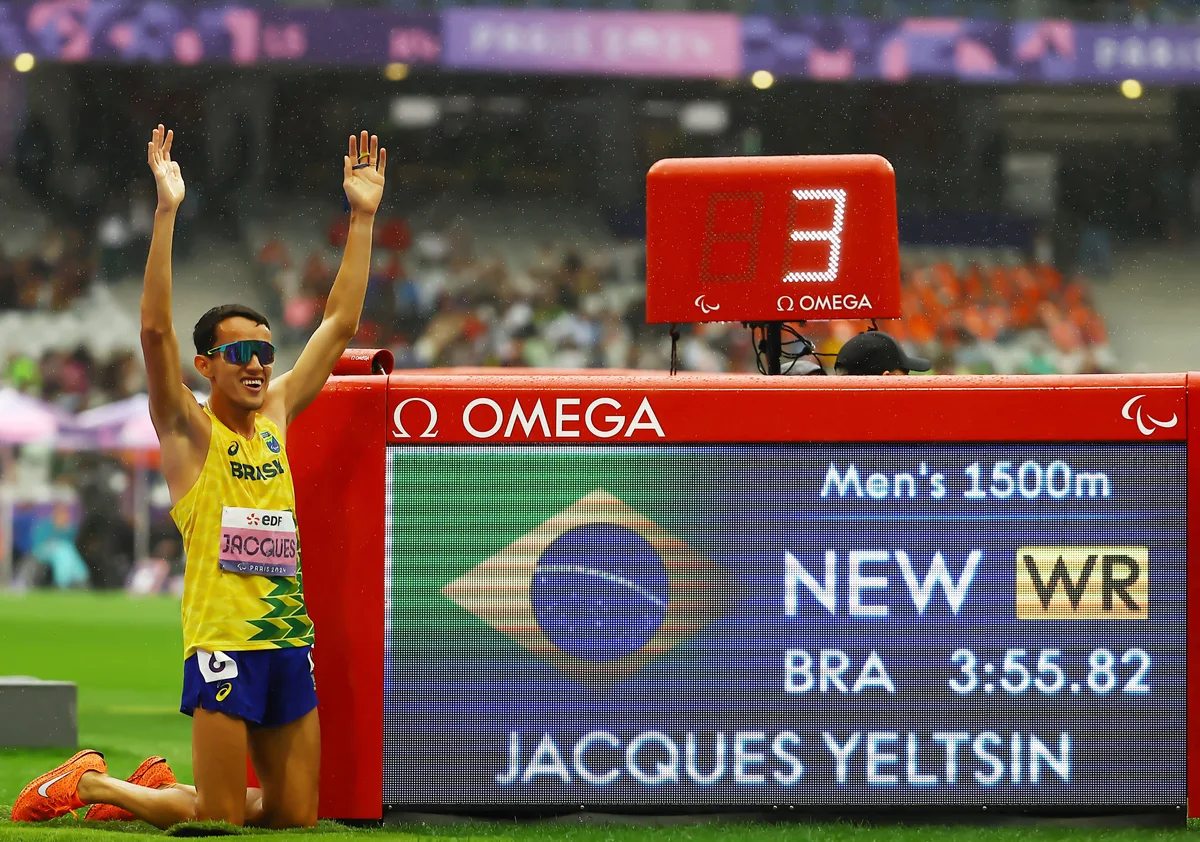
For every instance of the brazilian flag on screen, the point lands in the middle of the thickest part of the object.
(576, 556)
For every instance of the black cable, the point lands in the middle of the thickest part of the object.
(791, 356)
(674, 332)
(760, 348)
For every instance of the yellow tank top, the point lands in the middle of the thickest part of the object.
(230, 611)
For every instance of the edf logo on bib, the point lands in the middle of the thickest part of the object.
(255, 519)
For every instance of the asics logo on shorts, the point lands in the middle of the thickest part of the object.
(223, 691)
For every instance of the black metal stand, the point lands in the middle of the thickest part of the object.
(774, 332)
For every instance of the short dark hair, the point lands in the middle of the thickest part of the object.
(204, 335)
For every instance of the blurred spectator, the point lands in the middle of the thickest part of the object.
(35, 148)
(114, 236)
(142, 203)
(304, 301)
(54, 546)
(105, 534)
(121, 378)
(393, 234)
(271, 258)
(1171, 189)
(67, 379)
(76, 376)
(9, 291)
(49, 278)
(875, 353)
(22, 373)
(379, 304)
(76, 381)
(123, 231)
(270, 264)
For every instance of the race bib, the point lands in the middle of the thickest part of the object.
(258, 542)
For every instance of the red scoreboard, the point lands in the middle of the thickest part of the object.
(772, 239)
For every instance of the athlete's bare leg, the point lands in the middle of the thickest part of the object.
(219, 744)
(160, 807)
(287, 760)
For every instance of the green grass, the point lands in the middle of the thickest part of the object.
(127, 658)
(125, 655)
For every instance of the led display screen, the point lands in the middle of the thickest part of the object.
(803, 624)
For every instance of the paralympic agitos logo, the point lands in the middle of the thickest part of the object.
(597, 591)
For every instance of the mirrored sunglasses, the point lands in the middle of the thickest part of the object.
(242, 351)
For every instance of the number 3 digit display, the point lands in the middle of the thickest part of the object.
(832, 235)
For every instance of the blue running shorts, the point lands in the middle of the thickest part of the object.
(264, 686)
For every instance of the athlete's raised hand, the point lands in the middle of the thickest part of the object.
(364, 184)
(166, 171)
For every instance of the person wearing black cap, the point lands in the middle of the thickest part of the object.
(874, 352)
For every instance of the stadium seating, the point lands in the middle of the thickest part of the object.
(488, 281)
(97, 322)
(480, 273)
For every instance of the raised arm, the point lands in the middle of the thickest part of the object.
(363, 183)
(169, 398)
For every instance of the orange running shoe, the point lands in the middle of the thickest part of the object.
(153, 773)
(56, 793)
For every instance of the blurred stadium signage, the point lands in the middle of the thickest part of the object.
(1160, 54)
(969, 50)
(778, 238)
(155, 32)
(603, 43)
(651, 44)
(898, 50)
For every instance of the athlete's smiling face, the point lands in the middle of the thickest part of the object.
(245, 385)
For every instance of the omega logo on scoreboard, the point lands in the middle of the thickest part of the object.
(772, 238)
(593, 417)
